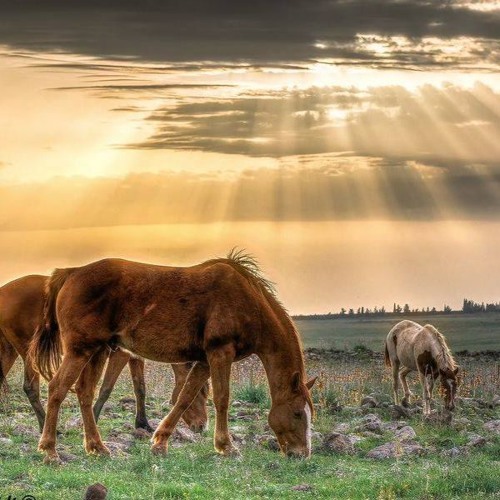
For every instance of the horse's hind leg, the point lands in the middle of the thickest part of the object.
(196, 416)
(8, 356)
(220, 361)
(65, 377)
(85, 389)
(395, 378)
(136, 366)
(32, 389)
(402, 376)
(197, 377)
(116, 362)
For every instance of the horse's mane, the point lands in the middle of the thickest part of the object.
(247, 265)
(444, 357)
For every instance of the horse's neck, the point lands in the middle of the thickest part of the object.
(281, 359)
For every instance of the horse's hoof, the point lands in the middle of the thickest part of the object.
(145, 427)
(97, 449)
(159, 449)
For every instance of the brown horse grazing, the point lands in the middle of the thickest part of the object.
(212, 314)
(423, 349)
(21, 311)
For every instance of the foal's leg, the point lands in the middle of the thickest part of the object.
(31, 387)
(402, 376)
(85, 389)
(136, 366)
(197, 377)
(425, 386)
(395, 378)
(59, 386)
(116, 362)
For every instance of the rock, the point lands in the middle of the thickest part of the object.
(66, 457)
(117, 449)
(96, 491)
(443, 418)
(492, 426)
(73, 423)
(405, 434)
(25, 431)
(238, 438)
(398, 412)
(495, 401)
(339, 443)
(460, 423)
(141, 434)
(343, 428)
(395, 449)
(371, 423)
(26, 448)
(6, 441)
(369, 402)
(268, 441)
(302, 487)
(476, 441)
(456, 451)
(127, 400)
(184, 435)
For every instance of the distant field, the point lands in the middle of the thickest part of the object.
(474, 332)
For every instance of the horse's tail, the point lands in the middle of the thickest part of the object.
(45, 348)
(387, 358)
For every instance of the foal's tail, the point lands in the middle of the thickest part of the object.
(387, 358)
(45, 349)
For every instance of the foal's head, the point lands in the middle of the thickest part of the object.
(290, 419)
(449, 384)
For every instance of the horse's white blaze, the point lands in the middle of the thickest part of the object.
(307, 411)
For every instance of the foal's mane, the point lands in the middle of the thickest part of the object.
(444, 357)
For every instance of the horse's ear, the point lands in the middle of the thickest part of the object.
(310, 383)
(455, 371)
(296, 382)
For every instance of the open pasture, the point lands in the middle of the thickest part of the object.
(472, 332)
(193, 470)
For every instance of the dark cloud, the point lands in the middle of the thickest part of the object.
(328, 188)
(260, 32)
(449, 122)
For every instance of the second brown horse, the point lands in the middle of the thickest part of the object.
(21, 311)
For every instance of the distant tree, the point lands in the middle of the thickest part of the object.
(351, 312)
(447, 309)
(406, 309)
(342, 311)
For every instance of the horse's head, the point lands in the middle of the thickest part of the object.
(290, 418)
(196, 416)
(449, 384)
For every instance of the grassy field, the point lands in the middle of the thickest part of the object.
(474, 332)
(193, 470)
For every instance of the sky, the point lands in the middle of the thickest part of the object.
(351, 146)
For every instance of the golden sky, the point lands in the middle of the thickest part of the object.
(352, 147)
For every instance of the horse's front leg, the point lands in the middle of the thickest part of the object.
(198, 376)
(85, 390)
(136, 366)
(402, 376)
(220, 361)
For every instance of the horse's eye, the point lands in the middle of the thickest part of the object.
(297, 414)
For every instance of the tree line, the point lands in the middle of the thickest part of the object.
(469, 306)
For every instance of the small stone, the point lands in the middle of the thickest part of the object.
(398, 412)
(117, 449)
(25, 431)
(6, 441)
(476, 441)
(405, 434)
(141, 434)
(268, 441)
(66, 457)
(302, 487)
(184, 435)
(73, 423)
(496, 401)
(342, 428)
(339, 443)
(460, 423)
(395, 449)
(369, 402)
(96, 491)
(456, 451)
(492, 426)
(371, 423)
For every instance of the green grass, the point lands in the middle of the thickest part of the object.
(474, 332)
(193, 470)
